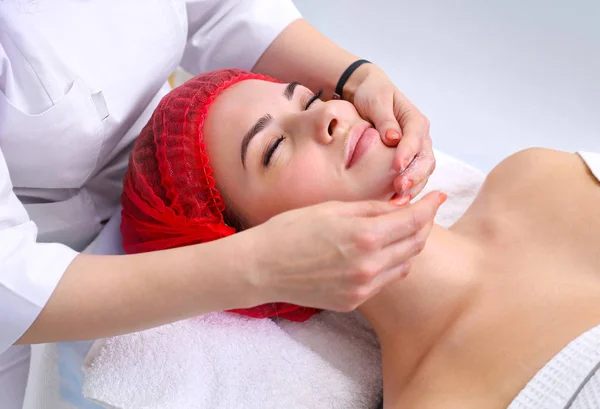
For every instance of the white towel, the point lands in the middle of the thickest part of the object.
(226, 361)
(592, 160)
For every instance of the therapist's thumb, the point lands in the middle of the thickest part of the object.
(387, 126)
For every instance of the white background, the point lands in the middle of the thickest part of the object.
(493, 77)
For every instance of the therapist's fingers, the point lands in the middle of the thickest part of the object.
(398, 252)
(375, 100)
(403, 224)
(415, 136)
(364, 209)
(414, 179)
(415, 190)
(388, 277)
(386, 123)
(407, 196)
(397, 259)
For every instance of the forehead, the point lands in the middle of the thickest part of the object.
(235, 111)
(249, 99)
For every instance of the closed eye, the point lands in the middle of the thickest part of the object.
(313, 99)
(271, 150)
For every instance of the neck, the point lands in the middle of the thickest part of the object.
(410, 317)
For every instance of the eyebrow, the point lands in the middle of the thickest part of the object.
(261, 124)
(264, 121)
(288, 93)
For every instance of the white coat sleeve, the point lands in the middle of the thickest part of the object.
(29, 271)
(233, 33)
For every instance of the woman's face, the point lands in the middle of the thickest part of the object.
(270, 153)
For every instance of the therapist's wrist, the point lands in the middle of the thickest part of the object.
(357, 78)
(245, 276)
(262, 266)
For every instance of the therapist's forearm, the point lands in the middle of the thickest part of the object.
(301, 53)
(101, 296)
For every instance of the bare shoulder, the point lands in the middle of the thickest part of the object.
(539, 171)
(536, 186)
(533, 163)
(522, 175)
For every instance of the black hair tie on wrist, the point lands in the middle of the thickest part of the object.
(340, 85)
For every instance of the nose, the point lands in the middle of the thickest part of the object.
(325, 123)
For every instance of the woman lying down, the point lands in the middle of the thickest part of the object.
(501, 307)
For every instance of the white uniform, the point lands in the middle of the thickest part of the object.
(78, 80)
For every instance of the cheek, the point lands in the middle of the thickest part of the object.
(306, 182)
(300, 183)
(314, 177)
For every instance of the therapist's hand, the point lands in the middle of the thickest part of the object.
(336, 255)
(399, 123)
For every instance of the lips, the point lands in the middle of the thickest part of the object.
(361, 138)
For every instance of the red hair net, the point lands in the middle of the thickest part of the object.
(169, 196)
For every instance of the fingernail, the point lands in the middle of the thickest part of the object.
(402, 201)
(392, 135)
(443, 198)
(403, 165)
(407, 184)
